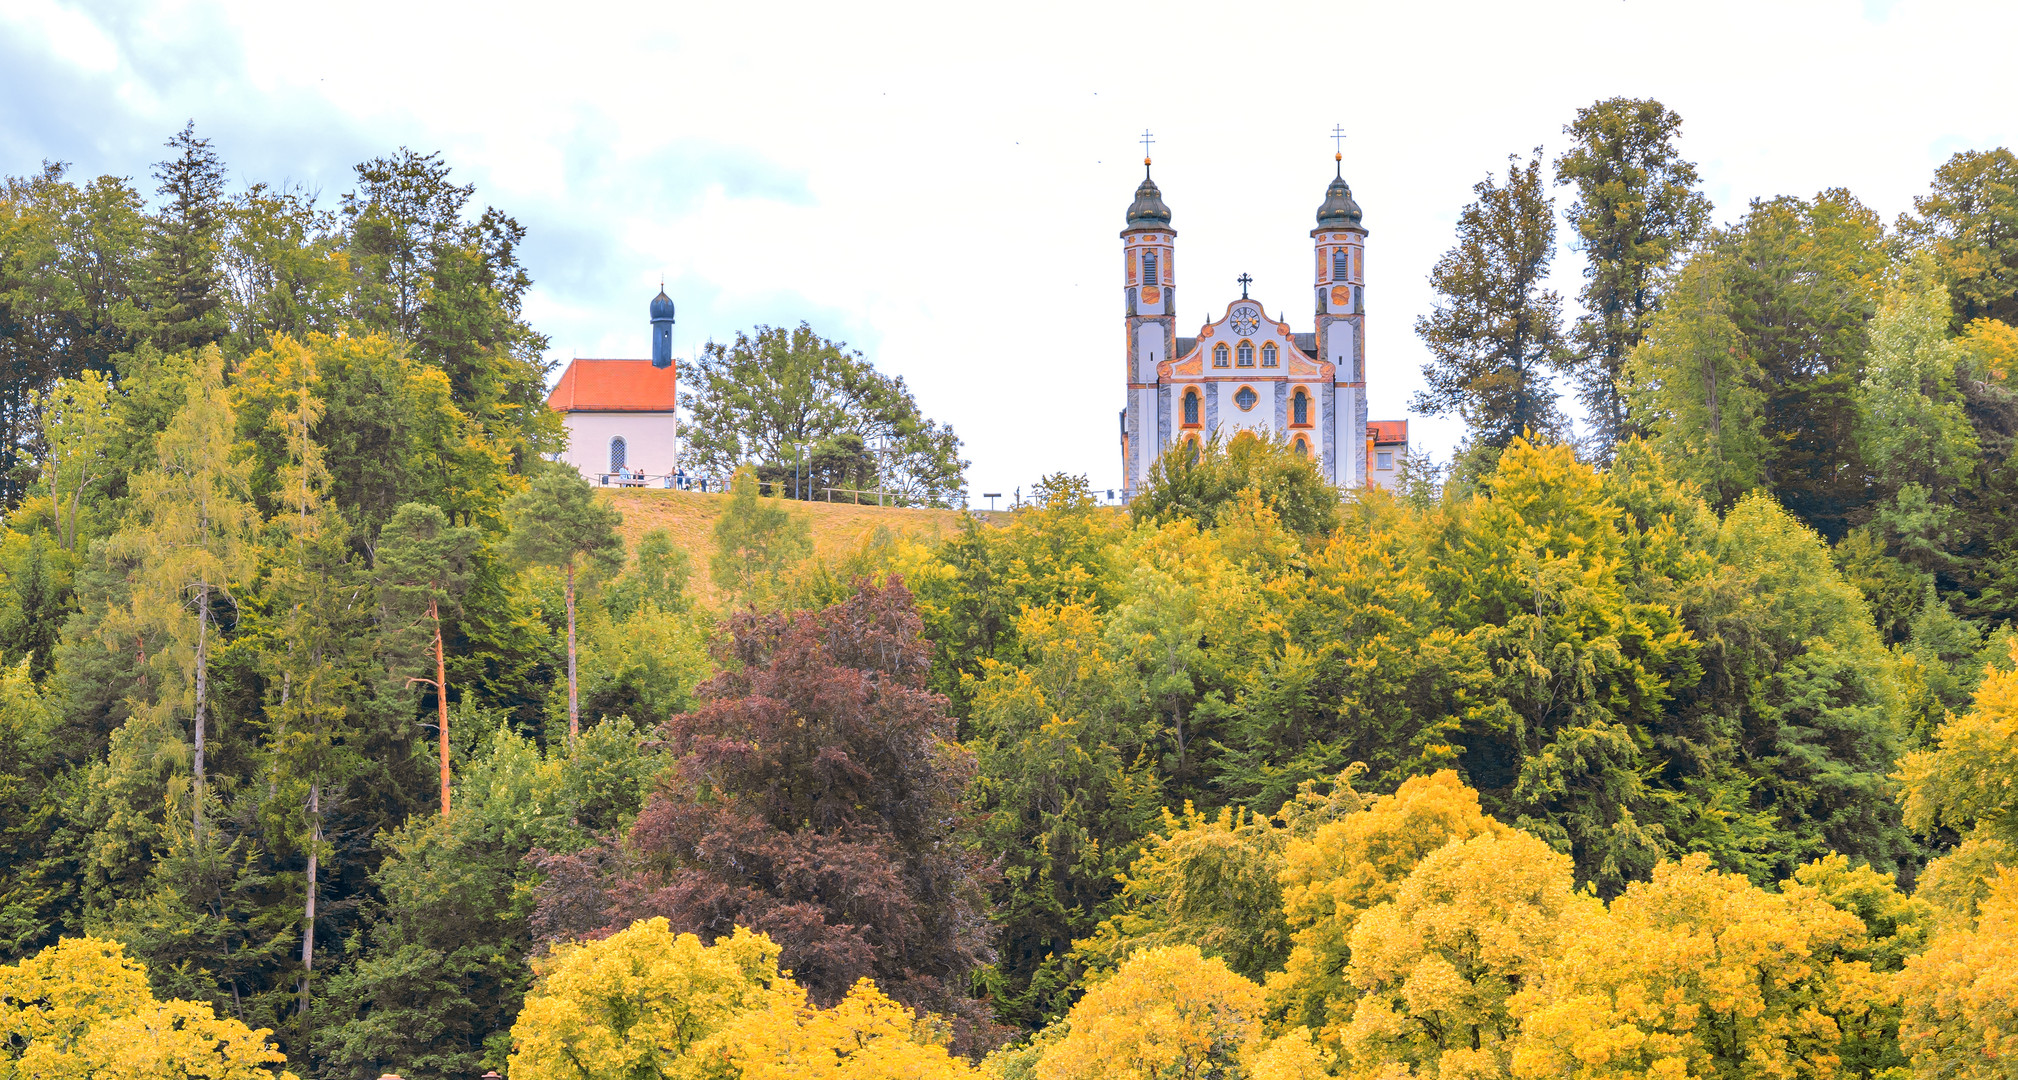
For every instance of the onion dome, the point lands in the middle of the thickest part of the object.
(1147, 211)
(1338, 211)
(662, 306)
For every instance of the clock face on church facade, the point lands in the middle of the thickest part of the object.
(1245, 320)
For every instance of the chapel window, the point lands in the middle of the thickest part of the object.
(1219, 355)
(617, 454)
(1245, 398)
(1341, 265)
(1191, 449)
(1149, 268)
(1247, 354)
(1299, 408)
(1302, 448)
(1268, 355)
(1191, 408)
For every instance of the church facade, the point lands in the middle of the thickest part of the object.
(1247, 370)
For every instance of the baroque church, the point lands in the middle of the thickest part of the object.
(1249, 372)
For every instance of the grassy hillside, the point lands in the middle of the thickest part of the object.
(837, 527)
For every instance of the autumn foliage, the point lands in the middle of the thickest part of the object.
(815, 798)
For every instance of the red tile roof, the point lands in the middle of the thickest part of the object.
(613, 386)
(1387, 431)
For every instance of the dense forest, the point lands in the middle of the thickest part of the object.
(346, 736)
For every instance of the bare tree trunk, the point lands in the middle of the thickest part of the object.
(574, 713)
(202, 673)
(441, 696)
(308, 911)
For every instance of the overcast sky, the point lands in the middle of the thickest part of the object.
(941, 185)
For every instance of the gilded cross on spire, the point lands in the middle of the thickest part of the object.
(1146, 140)
(1245, 281)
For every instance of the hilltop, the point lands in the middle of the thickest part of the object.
(838, 528)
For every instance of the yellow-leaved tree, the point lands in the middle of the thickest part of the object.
(1698, 973)
(1961, 995)
(1474, 922)
(645, 1002)
(1168, 1013)
(866, 1036)
(80, 1010)
(1349, 865)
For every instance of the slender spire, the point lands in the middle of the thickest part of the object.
(1338, 211)
(1148, 210)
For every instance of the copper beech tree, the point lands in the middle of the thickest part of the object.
(815, 798)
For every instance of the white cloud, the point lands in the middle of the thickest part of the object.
(941, 185)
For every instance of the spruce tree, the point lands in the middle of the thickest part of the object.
(187, 274)
(1636, 210)
(1495, 332)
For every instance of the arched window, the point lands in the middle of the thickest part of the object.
(617, 449)
(1191, 449)
(1268, 355)
(1247, 354)
(1191, 408)
(1341, 265)
(1219, 355)
(1246, 398)
(1299, 408)
(1302, 448)
(1149, 268)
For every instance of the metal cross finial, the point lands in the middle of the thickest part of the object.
(1245, 281)
(1338, 148)
(1146, 140)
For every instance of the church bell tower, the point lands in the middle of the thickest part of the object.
(662, 329)
(1340, 241)
(1148, 252)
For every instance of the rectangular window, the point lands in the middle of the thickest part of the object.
(1149, 268)
(1384, 459)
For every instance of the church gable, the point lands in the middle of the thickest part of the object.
(1246, 342)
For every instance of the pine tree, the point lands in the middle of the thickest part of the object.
(558, 522)
(1495, 331)
(1636, 209)
(424, 564)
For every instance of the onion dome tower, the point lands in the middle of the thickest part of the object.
(1340, 240)
(662, 328)
(1149, 254)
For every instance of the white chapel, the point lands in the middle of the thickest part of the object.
(620, 414)
(1246, 371)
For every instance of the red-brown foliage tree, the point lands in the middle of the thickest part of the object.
(817, 798)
